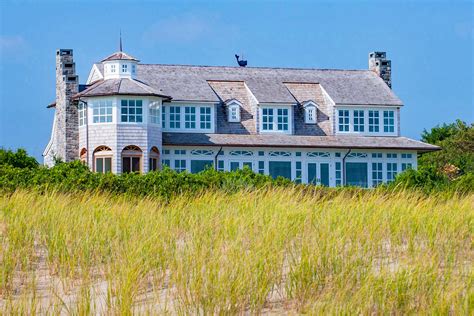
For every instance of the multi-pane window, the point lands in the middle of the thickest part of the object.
(180, 165)
(154, 114)
(358, 121)
(310, 114)
(220, 165)
(388, 121)
(102, 111)
(189, 117)
(298, 172)
(377, 173)
(205, 117)
(374, 121)
(392, 155)
(175, 117)
(180, 152)
(124, 68)
(391, 171)
(112, 68)
(343, 120)
(132, 111)
(261, 167)
(165, 162)
(234, 113)
(267, 119)
(338, 174)
(376, 155)
(282, 117)
(82, 114)
(406, 156)
(163, 116)
(406, 166)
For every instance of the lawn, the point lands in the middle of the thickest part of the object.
(280, 250)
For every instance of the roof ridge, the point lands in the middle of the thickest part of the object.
(257, 67)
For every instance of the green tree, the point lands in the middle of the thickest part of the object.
(18, 159)
(457, 147)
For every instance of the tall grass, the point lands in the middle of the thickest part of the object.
(279, 250)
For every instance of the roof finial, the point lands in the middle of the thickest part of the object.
(120, 48)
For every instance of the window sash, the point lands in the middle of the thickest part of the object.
(205, 117)
(190, 117)
(343, 125)
(388, 121)
(359, 118)
(175, 117)
(131, 111)
(102, 111)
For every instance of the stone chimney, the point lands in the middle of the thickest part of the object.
(66, 134)
(382, 66)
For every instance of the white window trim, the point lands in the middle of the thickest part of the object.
(182, 128)
(275, 120)
(310, 105)
(366, 110)
(233, 106)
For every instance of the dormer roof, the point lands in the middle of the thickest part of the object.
(120, 56)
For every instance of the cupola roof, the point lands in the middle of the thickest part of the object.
(120, 56)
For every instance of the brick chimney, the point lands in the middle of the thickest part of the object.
(382, 66)
(66, 134)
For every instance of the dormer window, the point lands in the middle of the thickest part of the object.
(310, 114)
(233, 114)
(124, 68)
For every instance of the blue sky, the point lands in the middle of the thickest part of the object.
(430, 45)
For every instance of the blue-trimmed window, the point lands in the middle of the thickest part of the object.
(391, 171)
(343, 120)
(359, 120)
(282, 117)
(131, 111)
(267, 119)
(388, 121)
(189, 117)
(175, 117)
(205, 117)
(374, 121)
(377, 173)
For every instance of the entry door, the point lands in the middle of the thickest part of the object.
(318, 173)
(356, 174)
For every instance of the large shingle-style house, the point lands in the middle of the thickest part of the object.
(330, 127)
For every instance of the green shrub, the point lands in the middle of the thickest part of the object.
(19, 159)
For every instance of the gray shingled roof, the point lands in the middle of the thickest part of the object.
(267, 84)
(275, 140)
(119, 87)
(119, 56)
(190, 83)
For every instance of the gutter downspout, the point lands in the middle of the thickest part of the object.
(344, 167)
(215, 158)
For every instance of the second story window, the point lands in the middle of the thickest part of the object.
(205, 117)
(343, 125)
(388, 121)
(374, 121)
(234, 113)
(112, 68)
(175, 117)
(189, 117)
(358, 120)
(102, 111)
(275, 119)
(82, 114)
(154, 113)
(131, 111)
(124, 68)
(163, 116)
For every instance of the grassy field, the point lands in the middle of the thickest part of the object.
(274, 250)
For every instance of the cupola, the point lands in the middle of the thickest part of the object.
(120, 65)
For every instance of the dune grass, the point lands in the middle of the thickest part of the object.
(279, 250)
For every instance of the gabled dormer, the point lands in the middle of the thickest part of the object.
(120, 65)
(233, 110)
(310, 112)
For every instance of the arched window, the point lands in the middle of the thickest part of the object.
(83, 156)
(153, 161)
(103, 159)
(131, 159)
